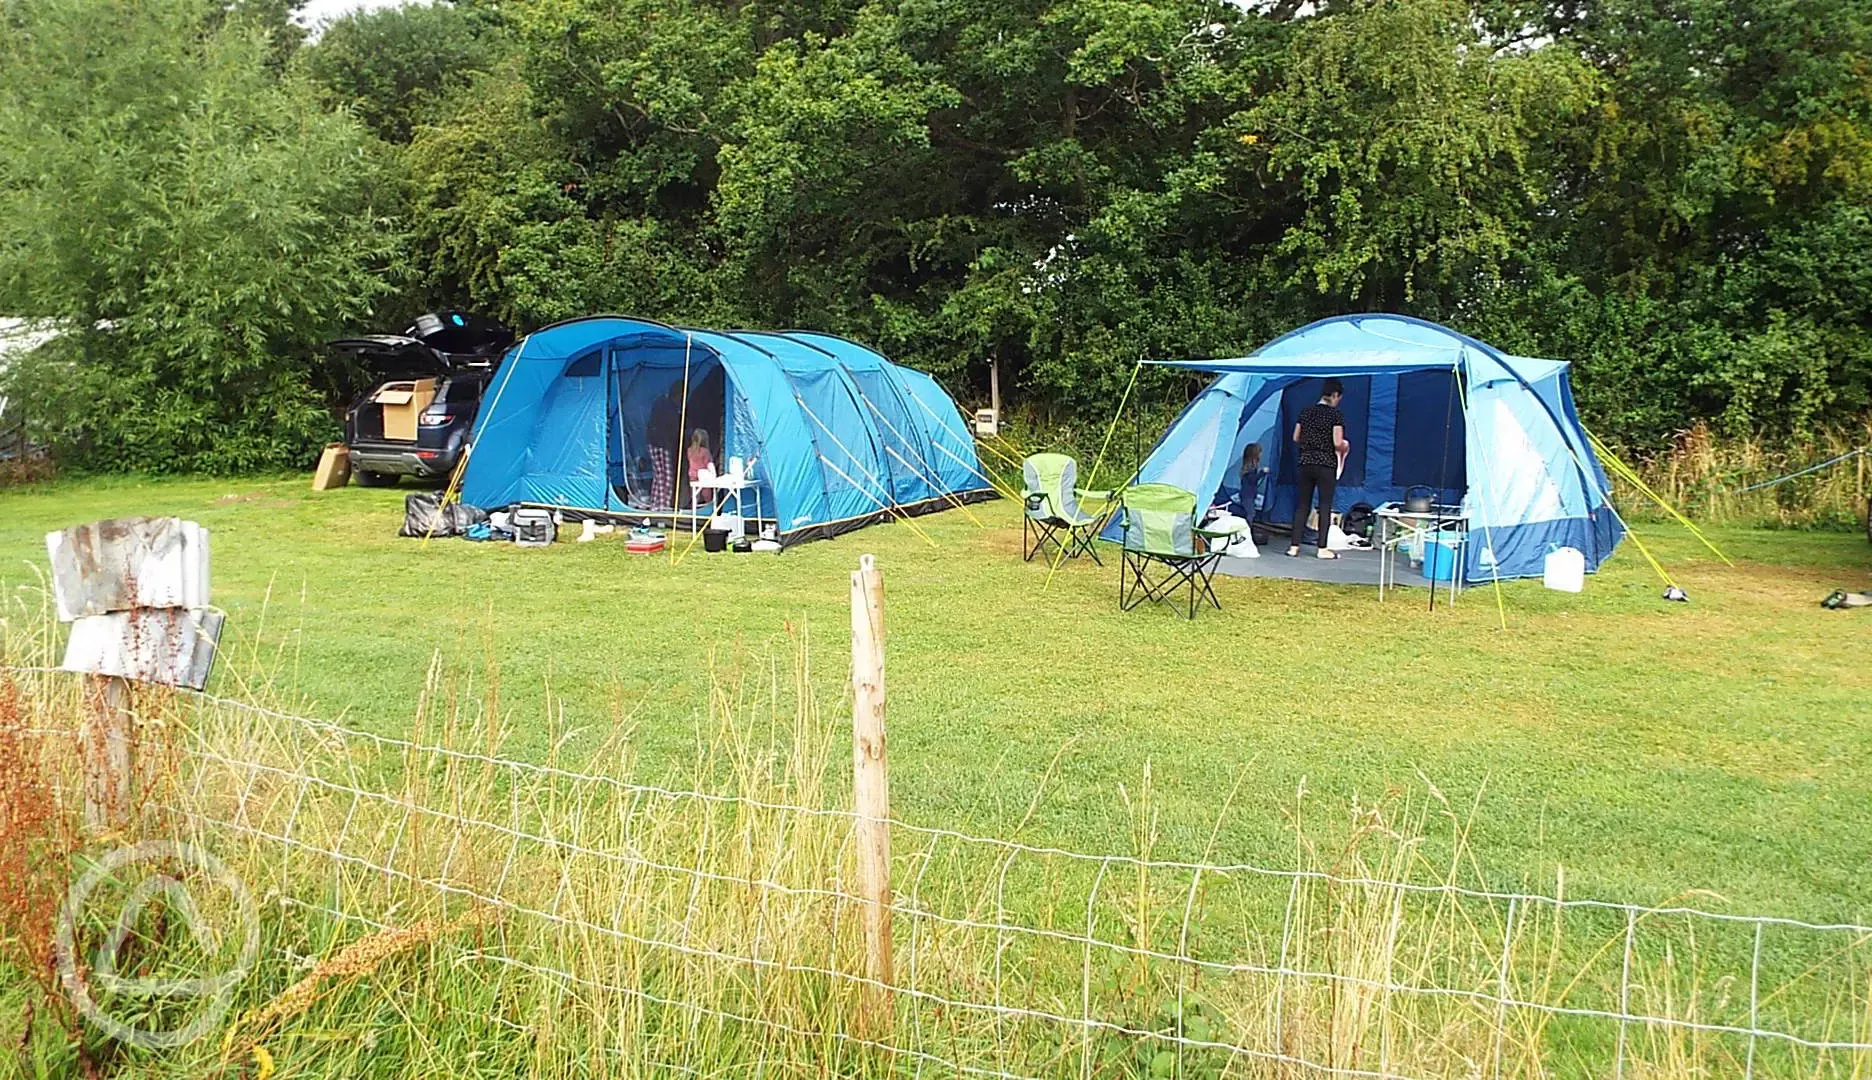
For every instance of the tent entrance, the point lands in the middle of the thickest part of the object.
(657, 424)
(1407, 430)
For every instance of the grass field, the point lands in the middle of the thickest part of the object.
(1649, 748)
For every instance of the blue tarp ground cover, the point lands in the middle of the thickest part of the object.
(1425, 406)
(594, 415)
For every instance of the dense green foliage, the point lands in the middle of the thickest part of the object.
(192, 218)
(1671, 193)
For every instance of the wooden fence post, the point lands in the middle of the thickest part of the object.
(871, 789)
(107, 745)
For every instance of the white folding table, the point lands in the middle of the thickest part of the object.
(727, 485)
(1397, 525)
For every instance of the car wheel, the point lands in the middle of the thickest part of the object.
(376, 479)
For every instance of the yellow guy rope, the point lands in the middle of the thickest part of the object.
(935, 483)
(449, 494)
(1655, 565)
(889, 506)
(1092, 476)
(1017, 448)
(1097, 461)
(677, 472)
(1663, 574)
(998, 452)
(453, 491)
(1631, 476)
(1646, 552)
(1054, 569)
(929, 477)
(1000, 489)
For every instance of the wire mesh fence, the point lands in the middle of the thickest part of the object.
(692, 927)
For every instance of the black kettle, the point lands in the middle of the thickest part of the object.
(1417, 500)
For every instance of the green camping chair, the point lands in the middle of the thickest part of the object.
(1054, 517)
(1164, 554)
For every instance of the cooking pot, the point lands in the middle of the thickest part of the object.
(1417, 499)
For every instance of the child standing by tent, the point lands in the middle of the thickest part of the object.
(1320, 436)
(699, 457)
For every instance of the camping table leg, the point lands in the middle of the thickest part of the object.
(1462, 545)
(1461, 557)
(1384, 559)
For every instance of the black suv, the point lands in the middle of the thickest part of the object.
(416, 417)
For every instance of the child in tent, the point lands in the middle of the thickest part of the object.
(1253, 474)
(699, 456)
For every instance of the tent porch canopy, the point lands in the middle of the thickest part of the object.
(1426, 407)
(1372, 345)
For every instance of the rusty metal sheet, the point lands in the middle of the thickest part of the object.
(170, 646)
(128, 563)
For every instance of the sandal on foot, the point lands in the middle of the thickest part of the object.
(1327, 554)
(1293, 551)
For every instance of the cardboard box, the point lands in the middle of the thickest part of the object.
(334, 468)
(402, 403)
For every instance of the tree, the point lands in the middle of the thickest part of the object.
(396, 67)
(196, 223)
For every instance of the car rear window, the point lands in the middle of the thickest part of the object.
(457, 391)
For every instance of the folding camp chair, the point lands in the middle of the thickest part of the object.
(1164, 553)
(1054, 518)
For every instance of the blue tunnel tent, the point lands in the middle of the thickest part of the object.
(593, 416)
(1424, 406)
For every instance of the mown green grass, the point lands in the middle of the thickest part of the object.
(1647, 748)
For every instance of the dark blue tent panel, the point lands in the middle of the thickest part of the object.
(1425, 406)
(596, 416)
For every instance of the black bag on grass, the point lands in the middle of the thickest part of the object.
(424, 515)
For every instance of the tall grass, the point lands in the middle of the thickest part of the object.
(1703, 474)
(431, 907)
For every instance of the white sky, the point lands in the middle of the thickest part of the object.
(317, 11)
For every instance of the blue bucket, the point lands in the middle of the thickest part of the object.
(1439, 562)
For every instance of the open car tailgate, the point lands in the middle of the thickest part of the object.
(393, 356)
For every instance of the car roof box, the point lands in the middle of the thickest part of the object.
(459, 333)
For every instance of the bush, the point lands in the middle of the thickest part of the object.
(194, 220)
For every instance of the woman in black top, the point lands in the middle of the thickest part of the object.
(1320, 436)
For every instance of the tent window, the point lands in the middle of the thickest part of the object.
(584, 366)
(1423, 456)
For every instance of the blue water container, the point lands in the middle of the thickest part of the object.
(1439, 562)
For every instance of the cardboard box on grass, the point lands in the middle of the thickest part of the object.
(334, 468)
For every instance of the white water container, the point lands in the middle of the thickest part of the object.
(1565, 570)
